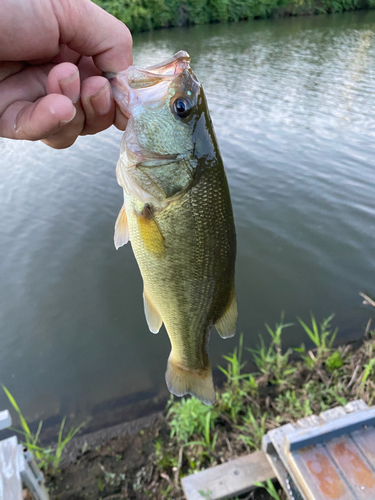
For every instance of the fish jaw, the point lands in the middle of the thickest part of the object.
(146, 86)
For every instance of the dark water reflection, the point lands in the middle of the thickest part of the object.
(293, 107)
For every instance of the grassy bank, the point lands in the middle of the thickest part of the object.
(143, 15)
(288, 385)
(190, 436)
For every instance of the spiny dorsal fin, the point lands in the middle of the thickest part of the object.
(226, 325)
(121, 229)
(153, 318)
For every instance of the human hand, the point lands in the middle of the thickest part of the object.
(52, 55)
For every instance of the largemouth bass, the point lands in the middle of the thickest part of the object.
(177, 213)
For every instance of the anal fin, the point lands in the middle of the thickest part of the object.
(226, 325)
(153, 318)
(121, 229)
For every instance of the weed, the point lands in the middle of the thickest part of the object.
(293, 405)
(31, 439)
(205, 494)
(322, 336)
(334, 361)
(61, 443)
(47, 457)
(270, 488)
(163, 457)
(238, 386)
(253, 430)
(188, 417)
(234, 367)
(271, 361)
(138, 485)
(369, 370)
(111, 478)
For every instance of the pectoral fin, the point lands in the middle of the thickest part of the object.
(121, 229)
(150, 233)
(226, 325)
(153, 318)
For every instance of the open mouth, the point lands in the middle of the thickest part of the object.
(149, 85)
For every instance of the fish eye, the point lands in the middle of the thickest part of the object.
(181, 107)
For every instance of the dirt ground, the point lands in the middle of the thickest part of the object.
(115, 464)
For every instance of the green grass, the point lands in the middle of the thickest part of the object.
(190, 417)
(48, 458)
(271, 359)
(322, 336)
(270, 488)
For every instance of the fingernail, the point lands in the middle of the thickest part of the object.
(70, 86)
(101, 101)
(64, 122)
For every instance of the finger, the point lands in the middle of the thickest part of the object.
(87, 68)
(98, 104)
(66, 55)
(36, 120)
(28, 30)
(121, 121)
(10, 68)
(64, 79)
(66, 136)
(82, 24)
(26, 85)
(36, 30)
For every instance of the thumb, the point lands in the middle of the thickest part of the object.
(91, 31)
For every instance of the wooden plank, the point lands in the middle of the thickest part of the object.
(10, 479)
(230, 479)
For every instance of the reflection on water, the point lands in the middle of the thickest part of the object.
(293, 106)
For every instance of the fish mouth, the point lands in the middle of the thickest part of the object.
(137, 158)
(148, 85)
(150, 75)
(170, 67)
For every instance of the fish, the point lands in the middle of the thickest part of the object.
(177, 214)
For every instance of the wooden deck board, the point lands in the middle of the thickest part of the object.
(230, 479)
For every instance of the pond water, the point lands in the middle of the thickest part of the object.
(292, 101)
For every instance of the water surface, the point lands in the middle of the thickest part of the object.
(292, 102)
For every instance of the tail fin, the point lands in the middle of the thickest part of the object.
(182, 380)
